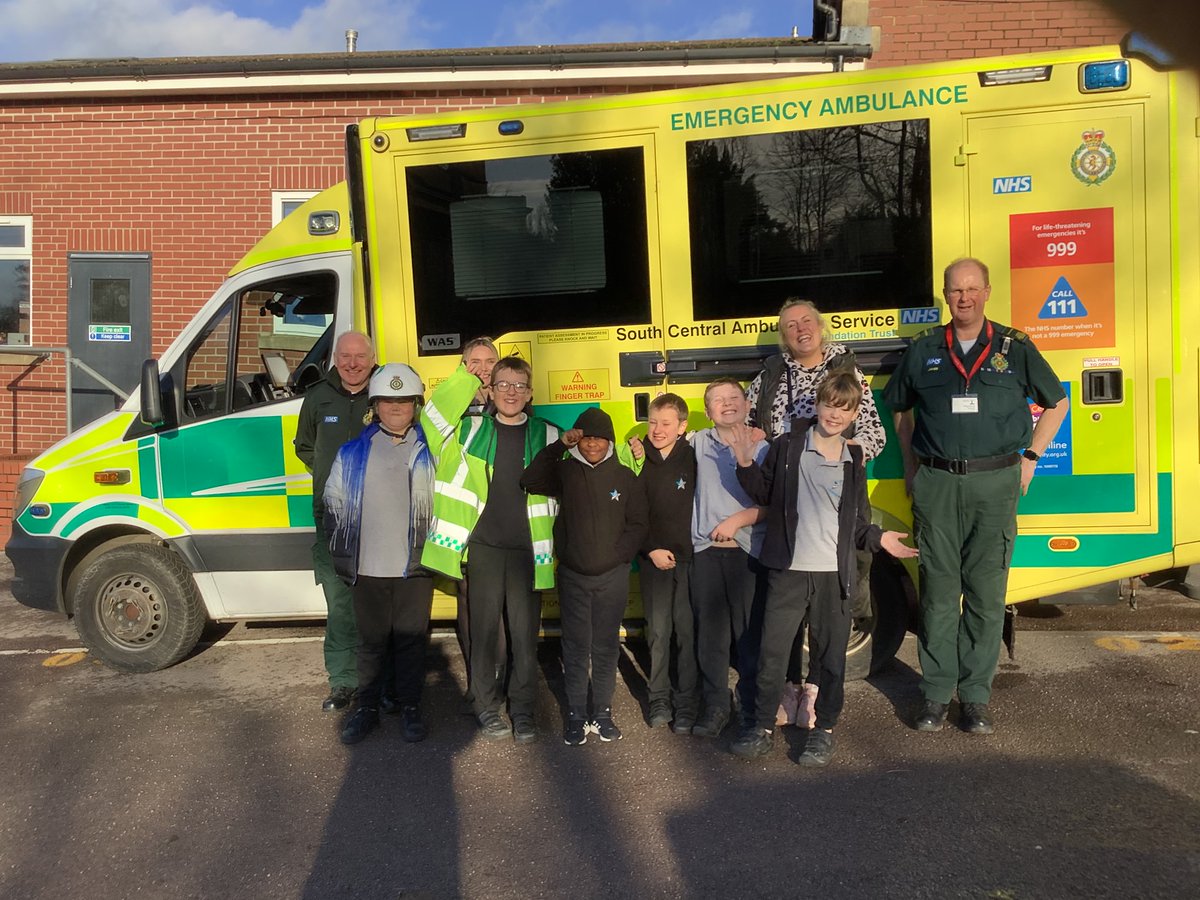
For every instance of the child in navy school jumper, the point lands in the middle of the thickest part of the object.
(601, 524)
(814, 485)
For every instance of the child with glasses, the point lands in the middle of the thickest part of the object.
(505, 537)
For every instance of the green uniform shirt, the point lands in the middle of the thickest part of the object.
(329, 416)
(1012, 373)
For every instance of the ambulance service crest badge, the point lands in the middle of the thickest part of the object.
(1093, 161)
(999, 362)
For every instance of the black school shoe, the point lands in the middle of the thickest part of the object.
(685, 720)
(412, 729)
(711, 725)
(660, 713)
(524, 729)
(818, 748)
(359, 725)
(753, 743)
(493, 727)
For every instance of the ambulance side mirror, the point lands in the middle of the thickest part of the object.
(152, 401)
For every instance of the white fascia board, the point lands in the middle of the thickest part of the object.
(674, 74)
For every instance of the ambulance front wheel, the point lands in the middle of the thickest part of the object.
(137, 608)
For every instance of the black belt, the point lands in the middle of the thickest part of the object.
(967, 466)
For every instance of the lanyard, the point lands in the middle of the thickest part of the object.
(967, 376)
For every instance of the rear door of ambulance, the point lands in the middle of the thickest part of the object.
(1061, 202)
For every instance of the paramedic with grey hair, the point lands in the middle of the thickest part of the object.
(333, 412)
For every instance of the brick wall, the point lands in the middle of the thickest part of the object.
(10, 473)
(916, 31)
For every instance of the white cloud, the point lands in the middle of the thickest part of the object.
(35, 30)
(84, 29)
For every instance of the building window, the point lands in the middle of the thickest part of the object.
(283, 204)
(16, 253)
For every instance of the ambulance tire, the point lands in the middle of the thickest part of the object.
(137, 608)
(877, 632)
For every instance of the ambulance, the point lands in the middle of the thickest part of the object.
(629, 245)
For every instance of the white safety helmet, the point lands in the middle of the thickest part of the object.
(396, 380)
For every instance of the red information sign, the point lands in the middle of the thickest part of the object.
(1072, 237)
(1063, 291)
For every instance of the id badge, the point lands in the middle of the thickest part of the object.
(964, 403)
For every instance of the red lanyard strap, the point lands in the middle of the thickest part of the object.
(962, 370)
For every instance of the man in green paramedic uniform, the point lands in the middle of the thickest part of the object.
(332, 413)
(969, 454)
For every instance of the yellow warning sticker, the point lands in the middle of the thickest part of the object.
(578, 385)
(516, 348)
(578, 336)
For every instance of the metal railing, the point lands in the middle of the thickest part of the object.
(71, 363)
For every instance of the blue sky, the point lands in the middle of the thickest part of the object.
(80, 29)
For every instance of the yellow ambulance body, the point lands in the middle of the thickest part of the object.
(633, 244)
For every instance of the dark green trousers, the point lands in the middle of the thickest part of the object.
(341, 629)
(965, 526)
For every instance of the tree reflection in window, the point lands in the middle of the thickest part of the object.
(837, 215)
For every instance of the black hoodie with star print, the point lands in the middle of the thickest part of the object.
(670, 489)
(602, 508)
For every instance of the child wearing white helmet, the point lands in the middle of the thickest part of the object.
(379, 498)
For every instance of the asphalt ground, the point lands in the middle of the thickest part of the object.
(221, 777)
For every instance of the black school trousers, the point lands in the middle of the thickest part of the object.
(499, 591)
(728, 592)
(392, 613)
(670, 634)
(590, 610)
(791, 596)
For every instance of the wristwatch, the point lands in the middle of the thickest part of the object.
(1030, 455)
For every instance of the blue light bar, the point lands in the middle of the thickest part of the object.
(1097, 77)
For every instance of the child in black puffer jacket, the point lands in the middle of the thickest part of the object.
(600, 526)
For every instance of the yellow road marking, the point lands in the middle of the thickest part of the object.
(1117, 643)
(1180, 643)
(58, 660)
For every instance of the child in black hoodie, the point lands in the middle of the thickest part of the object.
(601, 524)
(669, 475)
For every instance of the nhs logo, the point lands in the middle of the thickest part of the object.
(921, 315)
(1012, 184)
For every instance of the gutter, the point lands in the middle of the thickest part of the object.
(673, 62)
